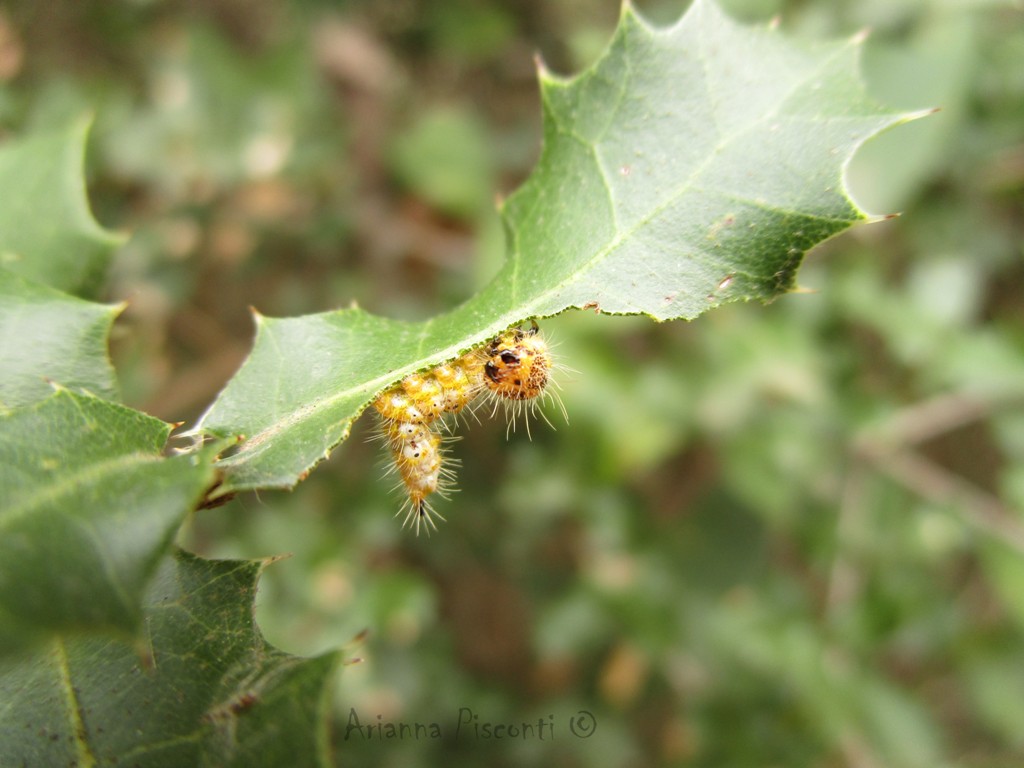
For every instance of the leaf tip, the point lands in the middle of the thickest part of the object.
(882, 217)
(79, 127)
(860, 36)
(268, 561)
(117, 237)
(628, 13)
(543, 72)
(800, 289)
(909, 117)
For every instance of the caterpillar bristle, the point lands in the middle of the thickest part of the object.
(418, 512)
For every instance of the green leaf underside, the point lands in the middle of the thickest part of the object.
(89, 507)
(47, 232)
(46, 335)
(689, 167)
(213, 693)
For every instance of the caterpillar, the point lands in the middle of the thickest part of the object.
(515, 368)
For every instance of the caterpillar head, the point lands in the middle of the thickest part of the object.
(518, 364)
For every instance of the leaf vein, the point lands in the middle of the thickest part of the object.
(86, 759)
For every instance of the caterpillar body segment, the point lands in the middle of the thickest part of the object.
(426, 397)
(418, 457)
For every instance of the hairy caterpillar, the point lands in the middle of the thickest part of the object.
(515, 367)
(410, 412)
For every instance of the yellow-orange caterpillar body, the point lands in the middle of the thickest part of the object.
(514, 367)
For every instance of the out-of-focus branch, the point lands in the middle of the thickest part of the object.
(890, 451)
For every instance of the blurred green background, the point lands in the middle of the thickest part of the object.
(777, 536)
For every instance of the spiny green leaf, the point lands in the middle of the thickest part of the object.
(689, 167)
(89, 506)
(211, 692)
(47, 232)
(46, 335)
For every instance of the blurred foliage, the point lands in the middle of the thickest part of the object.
(778, 536)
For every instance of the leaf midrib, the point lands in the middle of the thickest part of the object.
(86, 758)
(68, 482)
